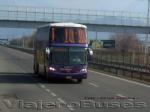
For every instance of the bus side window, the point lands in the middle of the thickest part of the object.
(71, 36)
(59, 35)
(76, 35)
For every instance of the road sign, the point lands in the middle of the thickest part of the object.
(108, 43)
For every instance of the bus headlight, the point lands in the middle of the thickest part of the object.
(52, 69)
(83, 70)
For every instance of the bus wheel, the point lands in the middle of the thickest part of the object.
(46, 74)
(79, 81)
(36, 69)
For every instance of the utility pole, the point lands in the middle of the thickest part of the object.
(96, 35)
(147, 35)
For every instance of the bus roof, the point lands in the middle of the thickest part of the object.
(68, 25)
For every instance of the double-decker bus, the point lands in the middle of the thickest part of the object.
(61, 51)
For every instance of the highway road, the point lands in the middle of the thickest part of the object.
(23, 91)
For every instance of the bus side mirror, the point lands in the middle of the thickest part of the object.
(90, 51)
(89, 54)
(47, 51)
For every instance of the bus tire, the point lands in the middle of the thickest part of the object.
(36, 68)
(46, 74)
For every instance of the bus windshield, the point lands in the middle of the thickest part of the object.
(60, 56)
(77, 56)
(68, 56)
(68, 35)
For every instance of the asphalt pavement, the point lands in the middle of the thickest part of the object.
(23, 91)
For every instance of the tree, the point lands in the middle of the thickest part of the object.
(126, 42)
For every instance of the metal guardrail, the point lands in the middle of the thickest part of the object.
(128, 67)
(27, 50)
(84, 16)
(141, 70)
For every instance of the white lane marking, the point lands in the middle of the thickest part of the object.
(131, 99)
(95, 85)
(70, 108)
(120, 95)
(43, 86)
(62, 101)
(133, 82)
(53, 94)
(47, 90)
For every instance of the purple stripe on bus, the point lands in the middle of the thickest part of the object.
(80, 45)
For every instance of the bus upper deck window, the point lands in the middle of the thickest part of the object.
(82, 36)
(71, 36)
(68, 35)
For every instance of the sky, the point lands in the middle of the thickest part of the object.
(109, 5)
(125, 5)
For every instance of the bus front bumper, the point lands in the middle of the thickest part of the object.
(68, 75)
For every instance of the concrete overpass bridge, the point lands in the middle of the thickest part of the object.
(96, 20)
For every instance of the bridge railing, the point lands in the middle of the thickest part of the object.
(72, 15)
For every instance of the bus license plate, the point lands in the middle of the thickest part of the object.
(68, 77)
